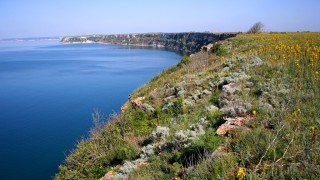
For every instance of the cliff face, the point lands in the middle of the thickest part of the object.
(186, 43)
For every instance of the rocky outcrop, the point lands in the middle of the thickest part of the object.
(232, 124)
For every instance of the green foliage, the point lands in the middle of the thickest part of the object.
(176, 108)
(139, 122)
(214, 118)
(184, 60)
(214, 97)
(255, 143)
(218, 50)
(156, 169)
(214, 168)
(120, 153)
(198, 150)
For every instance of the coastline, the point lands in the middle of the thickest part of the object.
(186, 43)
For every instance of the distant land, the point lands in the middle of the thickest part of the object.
(31, 39)
(184, 42)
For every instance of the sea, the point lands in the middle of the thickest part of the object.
(49, 90)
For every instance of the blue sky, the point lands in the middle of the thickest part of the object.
(38, 18)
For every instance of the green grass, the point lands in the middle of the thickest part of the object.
(282, 142)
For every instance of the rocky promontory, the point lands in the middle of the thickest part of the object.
(186, 43)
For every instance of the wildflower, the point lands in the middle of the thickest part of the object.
(241, 173)
(254, 113)
(312, 130)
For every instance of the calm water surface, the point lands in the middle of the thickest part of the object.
(48, 92)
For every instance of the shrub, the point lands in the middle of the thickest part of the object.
(218, 50)
(214, 117)
(214, 98)
(139, 122)
(122, 152)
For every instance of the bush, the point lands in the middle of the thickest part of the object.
(122, 152)
(218, 50)
(214, 117)
(139, 122)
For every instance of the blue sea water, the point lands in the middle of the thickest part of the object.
(49, 90)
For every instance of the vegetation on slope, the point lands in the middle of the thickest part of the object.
(246, 107)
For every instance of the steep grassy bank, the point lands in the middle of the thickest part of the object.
(246, 107)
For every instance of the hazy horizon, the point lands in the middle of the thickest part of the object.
(35, 18)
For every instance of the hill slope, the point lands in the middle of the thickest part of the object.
(246, 107)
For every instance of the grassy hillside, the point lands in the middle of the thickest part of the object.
(243, 108)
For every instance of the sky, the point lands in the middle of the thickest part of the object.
(43, 18)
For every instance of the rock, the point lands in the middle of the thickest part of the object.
(224, 128)
(108, 175)
(231, 89)
(138, 101)
(168, 98)
(232, 123)
(207, 48)
(239, 121)
(147, 107)
(206, 92)
(212, 108)
(125, 106)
